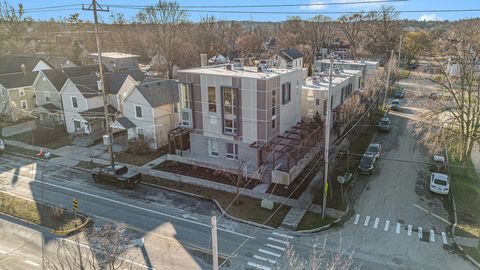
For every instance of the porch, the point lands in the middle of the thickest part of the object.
(49, 116)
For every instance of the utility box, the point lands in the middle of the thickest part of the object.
(267, 204)
(107, 140)
(47, 155)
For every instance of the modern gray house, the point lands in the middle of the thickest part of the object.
(115, 61)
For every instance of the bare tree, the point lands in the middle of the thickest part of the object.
(320, 30)
(374, 84)
(236, 178)
(351, 26)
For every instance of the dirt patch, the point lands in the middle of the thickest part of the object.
(140, 159)
(313, 220)
(205, 173)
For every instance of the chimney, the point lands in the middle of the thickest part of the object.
(203, 60)
(24, 70)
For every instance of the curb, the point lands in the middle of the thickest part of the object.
(73, 230)
(325, 227)
(215, 202)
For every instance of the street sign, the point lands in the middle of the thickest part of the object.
(75, 204)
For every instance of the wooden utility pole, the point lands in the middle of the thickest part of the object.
(387, 83)
(400, 51)
(95, 7)
(214, 243)
(327, 136)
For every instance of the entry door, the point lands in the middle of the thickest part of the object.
(77, 124)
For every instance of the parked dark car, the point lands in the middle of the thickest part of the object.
(367, 164)
(400, 93)
(120, 175)
(384, 124)
(438, 164)
(395, 105)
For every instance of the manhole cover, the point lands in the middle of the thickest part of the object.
(397, 260)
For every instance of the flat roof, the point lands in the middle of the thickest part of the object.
(246, 72)
(347, 61)
(320, 82)
(115, 55)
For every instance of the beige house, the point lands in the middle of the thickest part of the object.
(17, 95)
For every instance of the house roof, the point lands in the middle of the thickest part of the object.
(59, 76)
(160, 92)
(57, 61)
(13, 63)
(97, 113)
(88, 84)
(290, 54)
(18, 80)
(124, 122)
(50, 107)
(150, 79)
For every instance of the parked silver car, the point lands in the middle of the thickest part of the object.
(2, 145)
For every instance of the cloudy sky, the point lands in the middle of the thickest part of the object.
(426, 7)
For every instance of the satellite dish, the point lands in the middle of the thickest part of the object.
(341, 179)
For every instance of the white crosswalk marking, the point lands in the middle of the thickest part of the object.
(409, 233)
(375, 225)
(264, 259)
(357, 218)
(282, 235)
(420, 233)
(269, 252)
(3, 252)
(387, 224)
(259, 266)
(444, 238)
(277, 240)
(398, 228)
(432, 236)
(275, 247)
(367, 219)
(32, 263)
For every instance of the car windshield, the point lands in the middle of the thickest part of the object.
(384, 123)
(395, 102)
(366, 161)
(372, 149)
(438, 162)
(440, 182)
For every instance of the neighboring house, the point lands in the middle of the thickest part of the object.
(59, 61)
(315, 91)
(16, 64)
(17, 96)
(115, 61)
(229, 110)
(47, 87)
(367, 67)
(287, 58)
(149, 112)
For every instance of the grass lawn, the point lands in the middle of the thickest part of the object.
(313, 220)
(139, 160)
(53, 140)
(248, 208)
(88, 165)
(41, 214)
(23, 151)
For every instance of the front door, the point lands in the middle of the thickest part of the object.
(77, 124)
(88, 129)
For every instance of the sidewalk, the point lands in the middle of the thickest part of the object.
(475, 156)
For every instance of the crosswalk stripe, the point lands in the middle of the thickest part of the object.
(398, 228)
(32, 263)
(409, 233)
(269, 252)
(444, 238)
(357, 218)
(367, 219)
(375, 225)
(264, 259)
(420, 233)
(432, 236)
(277, 240)
(282, 235)
(259, 266)
(275, 247)
(387, 224)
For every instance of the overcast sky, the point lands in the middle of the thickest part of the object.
(316, 9)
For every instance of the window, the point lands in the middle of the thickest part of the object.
(230, 125)
(274, 102)
(212, 101)
(74, 102)
(23, 104)
(325, 104)
(232, 151)
(138, 112)
(140, 133)
(273, 123)
(286, 93)
(185, 95)
(213, 148)
(47, 96)
(317, 101)
(21, 92)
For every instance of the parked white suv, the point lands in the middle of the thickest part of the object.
(439, 183)
(2, 145)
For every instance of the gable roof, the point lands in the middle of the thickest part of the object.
(88, 84)
(57, 61)
(160, 92)
(18, 80)
(290, 54)
(13, 63)
(59, 76)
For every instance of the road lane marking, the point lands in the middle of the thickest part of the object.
(375, 225)
(430, 212)
(444, 238)
(129, 205)
(367, 219)
(282, 235)
(269, 252)
(264, 259)
(387, 224)
(32, 263)
(432, 236)
(409, 233)
(258, 266)
(420, 233)
(3, 252)
(277, 240)
(275, 247)
(357, 218)
(398, 228)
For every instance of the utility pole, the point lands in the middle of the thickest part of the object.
(214, 243)
(387, 83)
(400, 51)
(101, 84)
(327, 136)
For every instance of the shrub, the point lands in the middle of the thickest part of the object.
(138, 146)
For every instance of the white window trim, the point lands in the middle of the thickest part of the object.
(210, 148)
(21, 92)
(234, 155)
(135, 111)
(26, 104)
(71, 100)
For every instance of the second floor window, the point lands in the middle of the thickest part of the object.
(286, 93)
(138, 112)
(186, 95)
(47, 96)
(274, 102)
(74, 103)
(230, 125)
(212, 99)
(21, 92)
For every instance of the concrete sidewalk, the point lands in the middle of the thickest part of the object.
(475, 156)
(17, 129)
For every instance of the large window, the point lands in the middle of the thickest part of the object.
(212, 100)
(138, 112)
(274, 102)
(232, 151)
(213, 148)
(186, 95)
(286, 93)
(230, 125)
(23, 104)
(74, 102)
